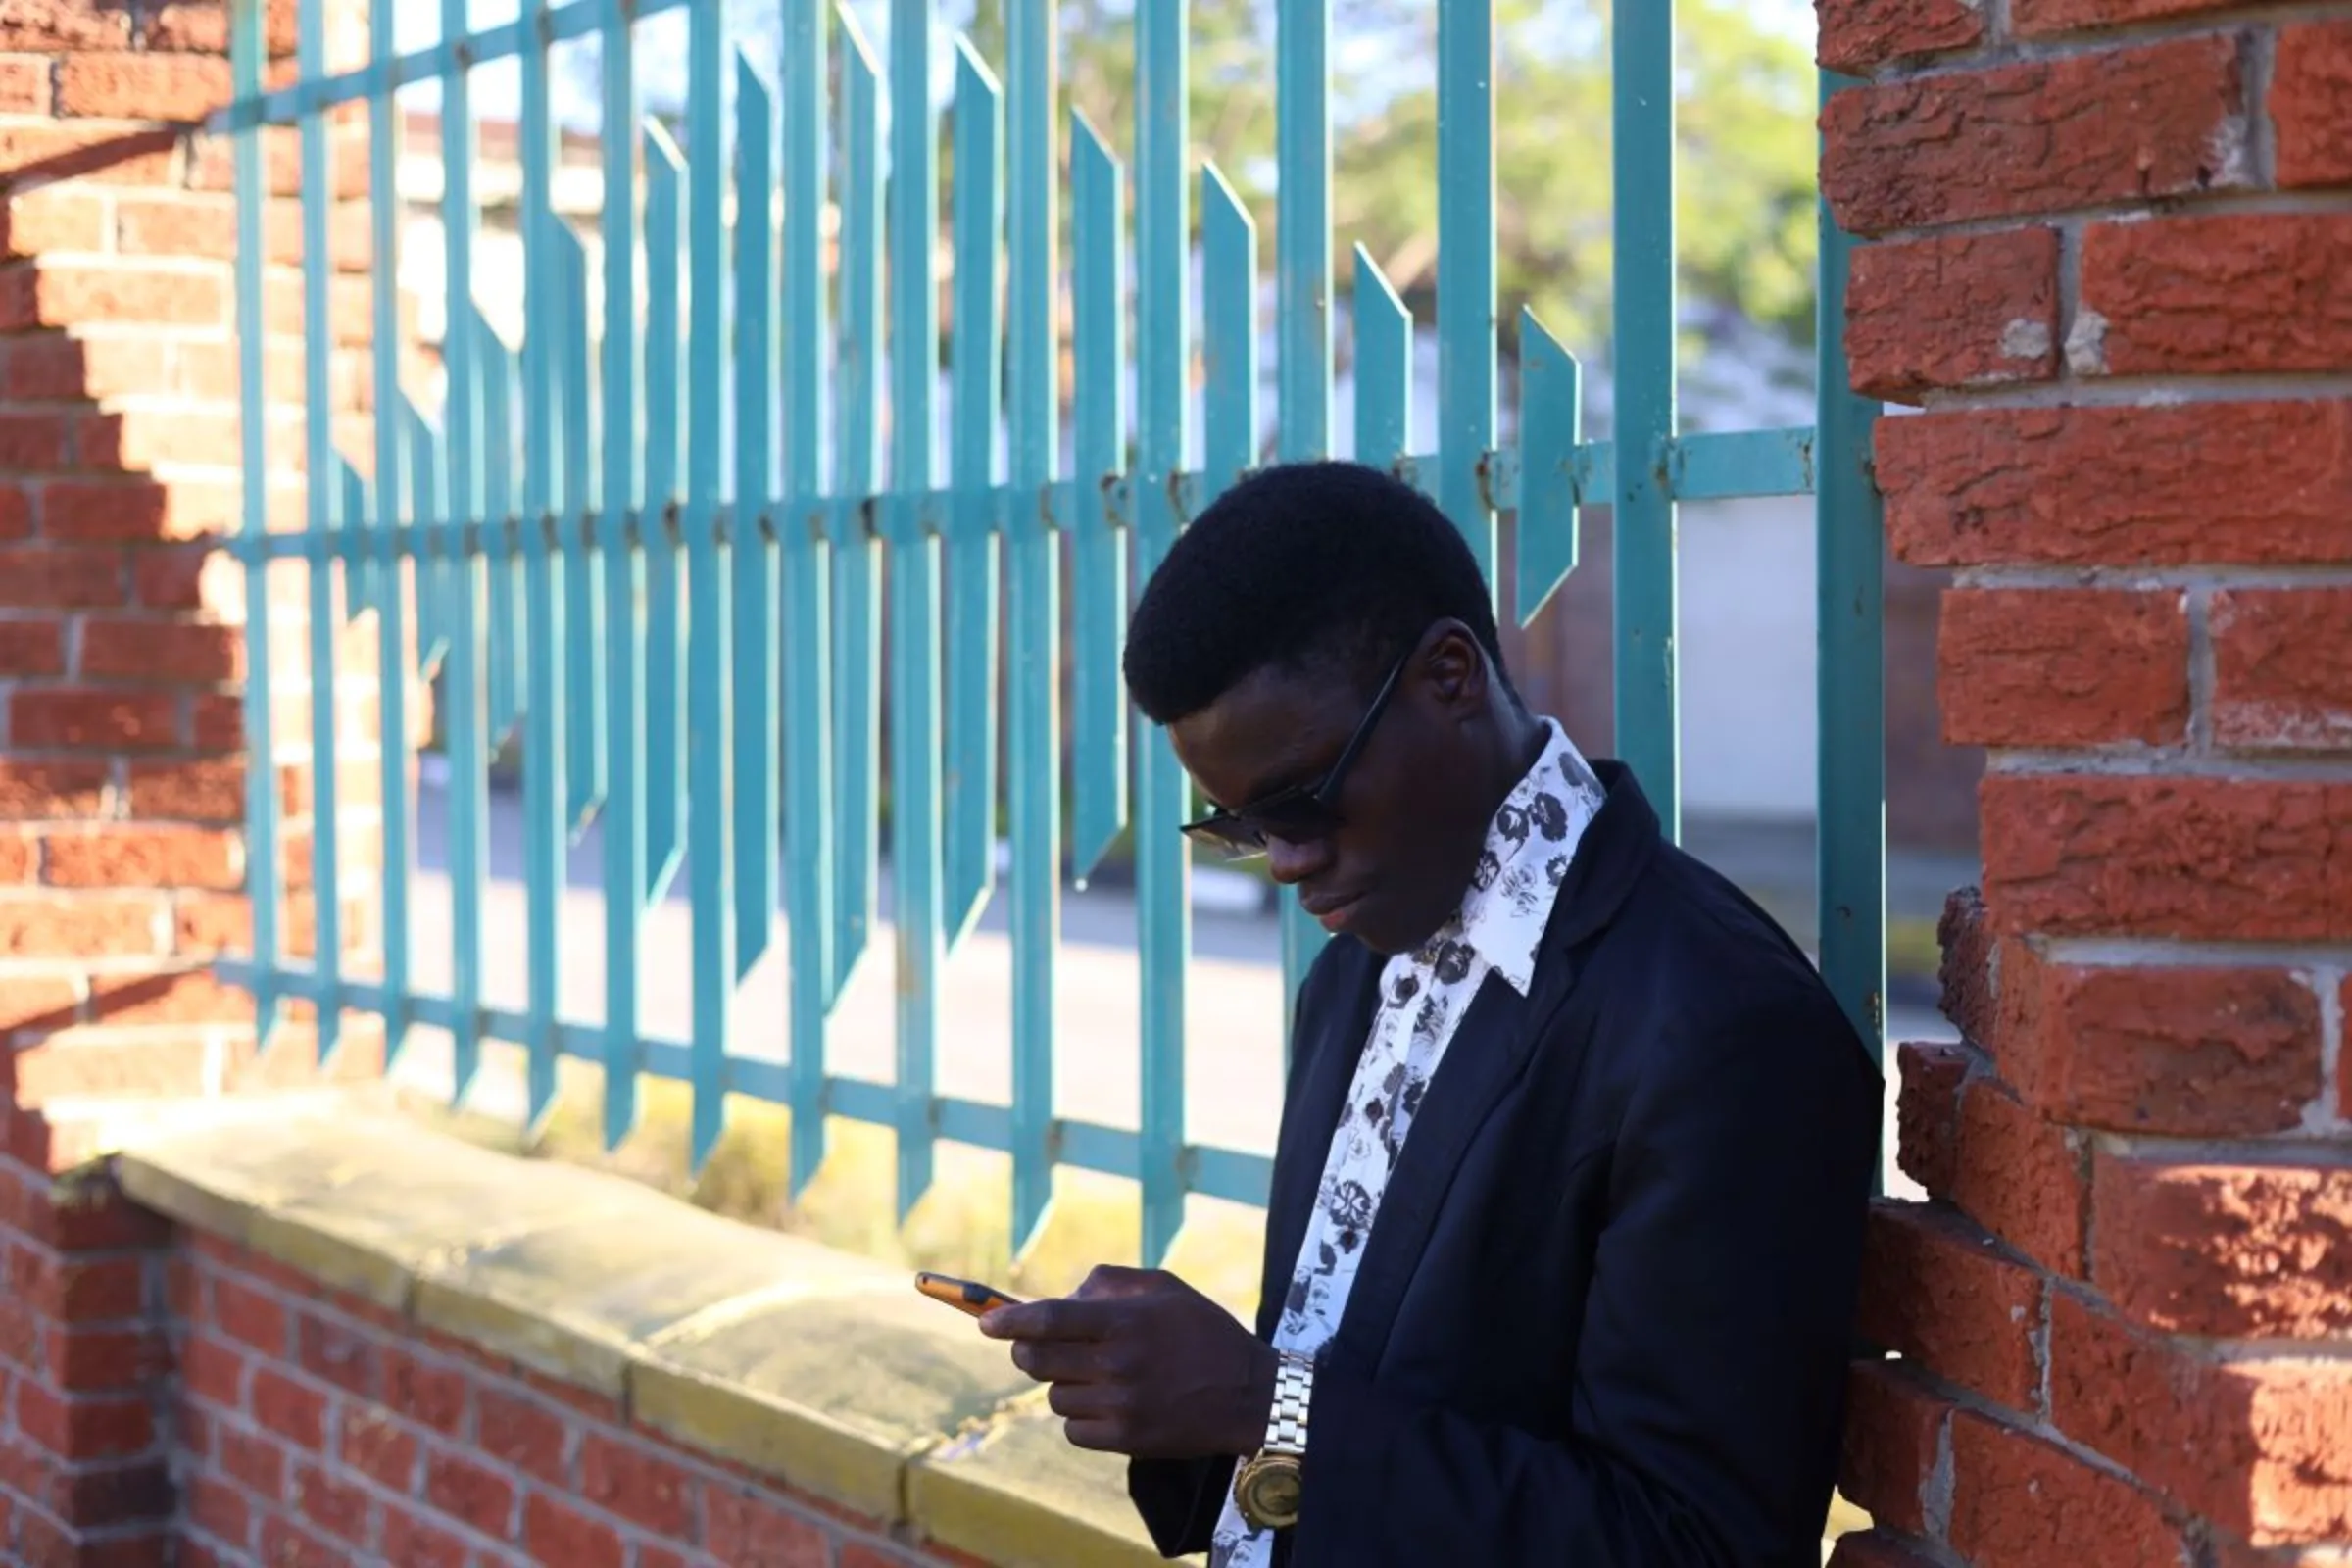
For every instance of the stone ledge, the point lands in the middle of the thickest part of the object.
(824, 1370)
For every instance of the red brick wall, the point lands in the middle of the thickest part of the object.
(2115, 240)
(315, 1429)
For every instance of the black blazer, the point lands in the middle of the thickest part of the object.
(1604, 1316)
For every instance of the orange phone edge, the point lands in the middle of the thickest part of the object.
(967, 1296)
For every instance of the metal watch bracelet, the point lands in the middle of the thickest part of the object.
(1294, 1392)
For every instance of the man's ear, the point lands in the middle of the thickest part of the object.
(1455, 668)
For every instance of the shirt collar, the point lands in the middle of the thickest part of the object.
(1529, 846)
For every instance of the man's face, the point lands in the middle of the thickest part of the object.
(1408, 816)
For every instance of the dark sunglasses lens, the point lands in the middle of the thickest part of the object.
(1301, 821)
(1232, 837)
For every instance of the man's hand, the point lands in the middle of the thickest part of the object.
(1142, 1364)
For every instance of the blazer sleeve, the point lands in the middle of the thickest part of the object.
(1712, 1350)
(1180, 1500)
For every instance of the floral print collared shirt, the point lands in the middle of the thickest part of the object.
(1423, 996)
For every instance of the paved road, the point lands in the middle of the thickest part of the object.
(1233, 1018)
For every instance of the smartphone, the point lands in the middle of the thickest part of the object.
(964, 1295)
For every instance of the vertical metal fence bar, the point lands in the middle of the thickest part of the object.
(971, 554)
(1033, 610)
(752, 551)
(1551, 425)
(1466, 272)
(494, 375)
(391, 604)
(809, 599)
(322, 495)
(1302, 245)
(1163, 343)
(1099, 761)
(261, 780)
(664, 772)
(469, 814)
(858, 420)
(624, 840)
(709, 854)
(494, 378)
(914, 824)
(422, 492)
(543, 744)
(1384, 381)
(1850, 541)
(1228, 332)
(1642, 521)
(583, 565)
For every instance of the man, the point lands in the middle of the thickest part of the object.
(1568, 1201)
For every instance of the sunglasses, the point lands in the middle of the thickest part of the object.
(1301, 813)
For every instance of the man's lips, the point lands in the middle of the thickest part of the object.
(1324, 906)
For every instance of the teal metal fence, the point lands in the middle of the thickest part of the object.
(693, 657)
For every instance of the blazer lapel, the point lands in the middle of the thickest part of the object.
(1488, 1052)
(1310, 1111)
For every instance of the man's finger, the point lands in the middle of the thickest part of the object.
(1101, 1436)
(1062, 1360)
(1065, 1319)
(1109, 1281)
(1084, 1402)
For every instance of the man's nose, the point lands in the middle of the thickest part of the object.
(1290, 863)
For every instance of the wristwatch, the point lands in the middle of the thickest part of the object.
(1266, 1486)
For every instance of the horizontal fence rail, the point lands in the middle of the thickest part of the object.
(652, 547)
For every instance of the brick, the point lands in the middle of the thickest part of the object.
(287, 1544)
(173, 652)
(1894, 1429)
(2044, 19)
(293, 1410)
(2263, 1447)
(2243, 294)
(1927, 1116)
(254, 1461)
(84, 1427)
(2190, 858)
(110, 512)
(83, 1291)
(216, 723)
(202, 26)
(2021, 1178)
(24, 87)
(1955, 310)
(60, 578)
(141, 86)
(220, 1509)
(52, 927)
(139, 440)
(35, 442)
(85, 720)
(342, 1356)
(553, 1533)
(147, 857)
(1856, 36)
(204, 928)
(50, 27)
(68, 370)
(15, 513)
(2282, 668)
(72, 1064)
(1942, 1293)
(51, 219)
(631, 1482)
(194, 996)
(520, 1432)
(2019, 1500)
(2166, 1050)
(336, 1508)
(415, 1543)
(37, 1004)
(103, 1361)
(250, 1316)
(470, 1494)
(19, 857)
(379, 1449)
(2311, 104)
(210, 790)
(80, 294)
(748, 1532)
(2037, 137)
(2058, 666)
(32, 648)
(1966, 974)
(2263, 483)
(2228, 1252)
(104, 155)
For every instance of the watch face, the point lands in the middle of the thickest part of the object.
(1268, 1493)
